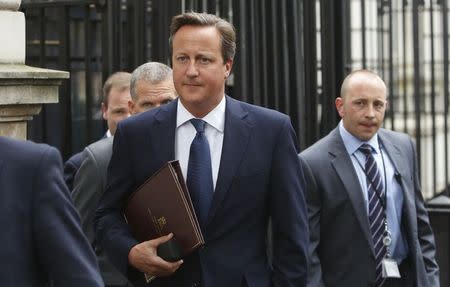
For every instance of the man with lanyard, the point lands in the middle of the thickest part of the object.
(368, 223)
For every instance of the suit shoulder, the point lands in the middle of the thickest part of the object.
(394, 135)
(27, 152)
(101, 146)
(26, 148)
(318, 149)
(99, 154)
(75, 160)
(265, 112)
(260, 115)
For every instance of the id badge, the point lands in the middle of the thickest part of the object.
(390, 268)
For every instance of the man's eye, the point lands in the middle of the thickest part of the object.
(205, 60)
(379, 105)
(182, 59)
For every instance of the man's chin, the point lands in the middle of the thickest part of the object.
(191, 99)
(366, 136)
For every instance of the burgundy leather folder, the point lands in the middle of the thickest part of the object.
(162, 205)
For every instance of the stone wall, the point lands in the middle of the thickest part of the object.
(23, 89)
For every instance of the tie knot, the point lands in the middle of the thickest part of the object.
(199, 125)
(366, 149)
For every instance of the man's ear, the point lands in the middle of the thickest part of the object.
(104, 110)
(228, 66)
(339, 102)
(130, 106)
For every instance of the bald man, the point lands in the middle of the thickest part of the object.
(368, 223)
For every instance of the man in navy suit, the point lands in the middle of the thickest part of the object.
(41, 243)
(255, 174)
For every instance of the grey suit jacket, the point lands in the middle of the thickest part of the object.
(341, 249)
(89, 185)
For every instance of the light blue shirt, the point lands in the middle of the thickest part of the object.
(394, 193)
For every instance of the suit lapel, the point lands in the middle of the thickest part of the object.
(235, 141)
(343, 165)
(393, 151)
(400, 162)
(165, 127)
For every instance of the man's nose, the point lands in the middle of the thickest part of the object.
(370, 111)
(192, 70)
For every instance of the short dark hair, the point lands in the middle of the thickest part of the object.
(118, 80)
(225, 28)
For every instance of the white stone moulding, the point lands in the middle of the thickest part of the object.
(21, 84)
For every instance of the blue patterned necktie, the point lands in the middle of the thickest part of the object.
(376, 209)
(199, 173)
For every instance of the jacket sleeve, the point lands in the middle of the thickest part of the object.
(112, 232)
(288, 212)
(62, 248)
(425, 233)
(71, 167)
(87, 189)
(314, 211)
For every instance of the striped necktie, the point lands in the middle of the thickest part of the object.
(376, 209)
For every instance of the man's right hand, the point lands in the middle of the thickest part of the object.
(143, 256)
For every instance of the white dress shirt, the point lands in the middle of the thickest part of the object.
(185, 133)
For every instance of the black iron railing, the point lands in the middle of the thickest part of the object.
(292, 56)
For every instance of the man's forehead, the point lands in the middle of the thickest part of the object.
(155, 94)
(196, 37)
(362, 85)
(119, 96)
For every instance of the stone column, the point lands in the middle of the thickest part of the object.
(23, 89)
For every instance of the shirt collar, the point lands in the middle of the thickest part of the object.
(352, 143)
(215, 118)
(108, 134)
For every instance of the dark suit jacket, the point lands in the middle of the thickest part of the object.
(71, 167)
(341, 249)
(259, 177)
(88, 187)
(41, 239)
